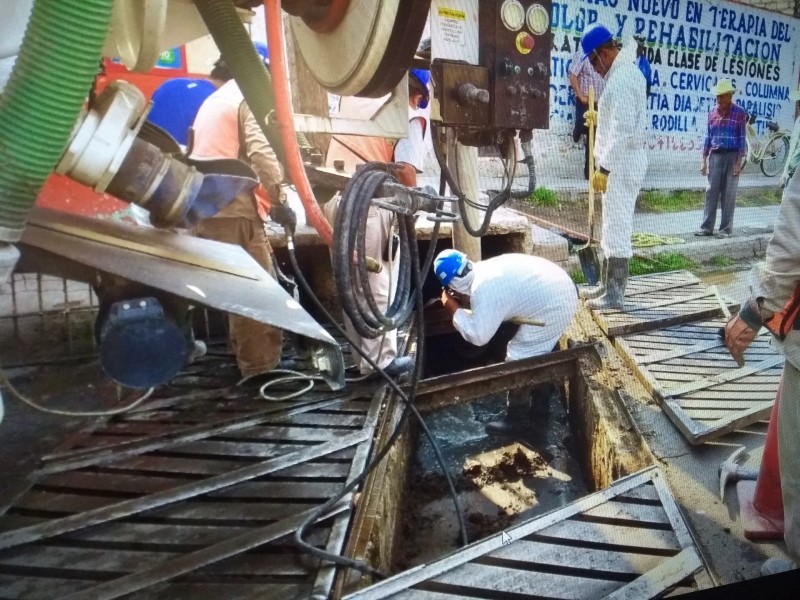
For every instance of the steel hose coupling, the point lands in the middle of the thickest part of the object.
(105, 153)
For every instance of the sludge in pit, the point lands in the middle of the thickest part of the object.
(501, 481)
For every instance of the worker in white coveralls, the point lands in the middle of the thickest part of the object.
(529, 291)
(775, 304)
(406, 157)
(620, 161)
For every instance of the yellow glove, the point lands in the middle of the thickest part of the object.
(599, 181)
(590, 118)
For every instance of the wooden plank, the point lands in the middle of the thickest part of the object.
(654, 583)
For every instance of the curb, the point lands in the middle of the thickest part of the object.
(748, 247)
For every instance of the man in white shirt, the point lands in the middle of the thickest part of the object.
(506, 289)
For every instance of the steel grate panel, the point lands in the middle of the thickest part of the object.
(630, 536)
(697, 383)
(195, 494)
(661, 300)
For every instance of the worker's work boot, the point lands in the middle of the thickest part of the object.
(598, 290)
(615, 288)
(517, 414)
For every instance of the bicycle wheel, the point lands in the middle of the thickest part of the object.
(775, 155)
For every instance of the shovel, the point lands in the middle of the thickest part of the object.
(587, 254)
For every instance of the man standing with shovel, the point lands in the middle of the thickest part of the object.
(619, 157)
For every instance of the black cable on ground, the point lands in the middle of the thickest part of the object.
(409, 409)
(463, 201)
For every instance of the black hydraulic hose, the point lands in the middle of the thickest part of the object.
(498, 200)
(233, 41)
(409, 409)
(349, 252)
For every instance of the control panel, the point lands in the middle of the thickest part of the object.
(515, 44)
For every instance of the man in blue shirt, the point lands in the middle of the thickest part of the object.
(724, 154)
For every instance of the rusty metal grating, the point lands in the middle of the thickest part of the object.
(194, 495)
(627, 541)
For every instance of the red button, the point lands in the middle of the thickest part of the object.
(527, 41)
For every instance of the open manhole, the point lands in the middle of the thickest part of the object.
(578, 446)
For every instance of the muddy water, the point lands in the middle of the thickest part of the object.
(500, 481)
(734, 285)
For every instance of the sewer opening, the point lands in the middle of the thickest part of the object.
(500, 480)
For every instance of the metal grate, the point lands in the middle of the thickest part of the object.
(627, 541)
(692, 375)
(661, 300)
(194, 495)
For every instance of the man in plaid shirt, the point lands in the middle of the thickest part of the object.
(724, 154)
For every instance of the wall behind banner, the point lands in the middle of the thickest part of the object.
(690, 44)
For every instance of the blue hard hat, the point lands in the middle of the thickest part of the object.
(423, 76)
(449, 264)
(594, 38)
(263, 51)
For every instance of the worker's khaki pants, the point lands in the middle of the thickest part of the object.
(257, 346)
(789, 456)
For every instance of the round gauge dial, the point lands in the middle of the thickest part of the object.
(538, 19)
(512, 13)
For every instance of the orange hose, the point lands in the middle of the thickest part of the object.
(283, 109)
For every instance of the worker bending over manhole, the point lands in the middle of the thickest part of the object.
(526, 299)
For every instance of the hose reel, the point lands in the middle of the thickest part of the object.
(368, 51)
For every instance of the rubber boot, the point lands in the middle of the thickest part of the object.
(598, 290)
(615, 288)
(517, 414)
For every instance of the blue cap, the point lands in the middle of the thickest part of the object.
(449, 264)
(263, 51)
(423, 76)
(594, 38)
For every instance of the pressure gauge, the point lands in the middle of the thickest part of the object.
(538, 19)
(512, 14)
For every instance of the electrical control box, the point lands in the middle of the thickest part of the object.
(515, 45)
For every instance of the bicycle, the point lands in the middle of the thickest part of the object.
(771, 153)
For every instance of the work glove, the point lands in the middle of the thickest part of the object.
(284, 216)
(599, 181)
(405, 173)
(590, 118)
(741, 329)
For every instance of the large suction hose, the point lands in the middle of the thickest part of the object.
(254, 81)
(297, 172)
(43, 98)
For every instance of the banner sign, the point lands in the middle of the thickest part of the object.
(690, 45)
